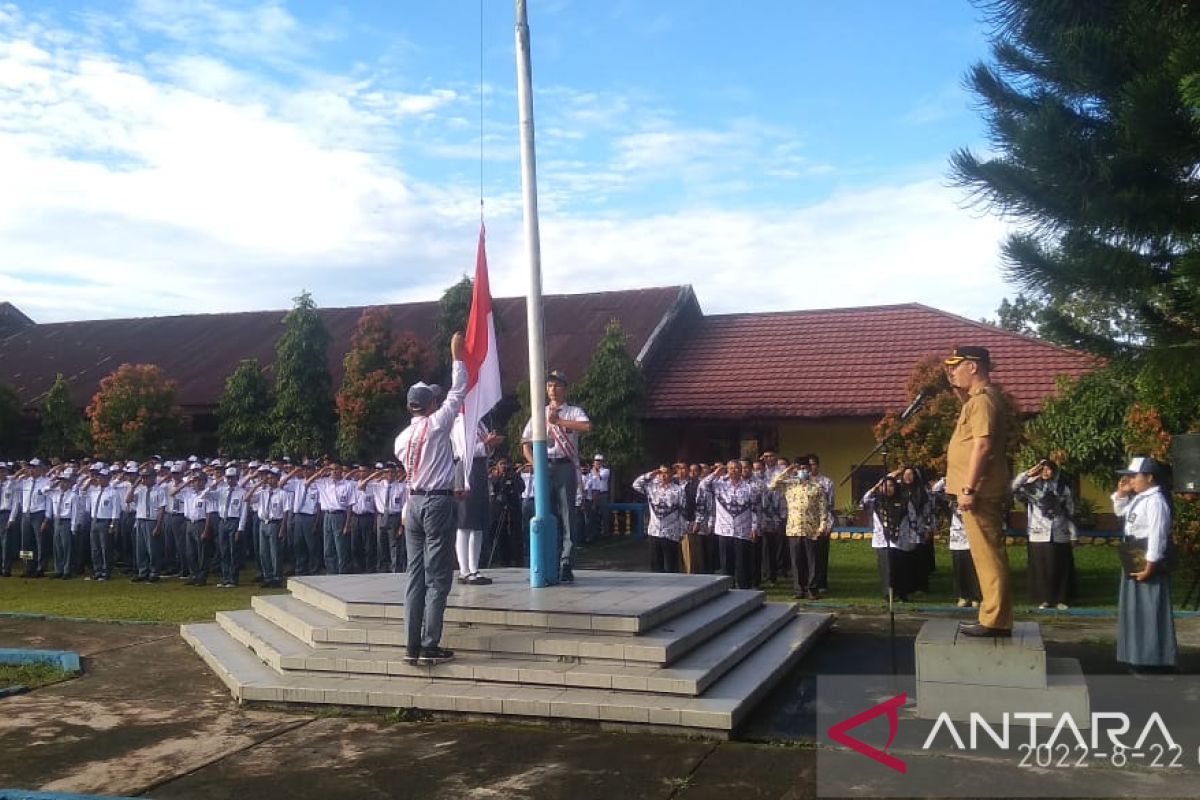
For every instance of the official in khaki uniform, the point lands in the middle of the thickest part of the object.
(977, 474)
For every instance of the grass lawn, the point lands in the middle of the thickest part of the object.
(854, 579)
(169, 601)
(31, 675)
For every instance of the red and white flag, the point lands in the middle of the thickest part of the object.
(480, 358)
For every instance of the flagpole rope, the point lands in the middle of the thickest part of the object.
(481, 112)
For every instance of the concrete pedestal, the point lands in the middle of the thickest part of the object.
(960, 675)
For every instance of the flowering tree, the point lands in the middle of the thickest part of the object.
(370, 401)
(134, 413)
(923, 438)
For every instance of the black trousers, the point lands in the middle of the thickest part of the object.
(803, 552)
(822, 573)
(1051, 565)
(714, 556)
(897, 564)
(737, 560)
(775, 553)
(664, 554)
(966, 584)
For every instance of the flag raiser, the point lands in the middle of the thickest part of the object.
(480, 358)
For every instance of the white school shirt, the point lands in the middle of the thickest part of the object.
(304, 498)
(33, 494)
(228, 502)
(174, 501)
(600, 481)
(104, 503)
(389, 496)
(8, 494)
(334, 496)
(363, 501)
(148, 501)
(195, 505)
(64, 504)
(958, 534)
(1147, 516)
(271, 503)
(560, 443)
(424, 447)
(527, 479)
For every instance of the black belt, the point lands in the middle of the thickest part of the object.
(558, 460)
(432, 492)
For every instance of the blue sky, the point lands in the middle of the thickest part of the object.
(175, 156)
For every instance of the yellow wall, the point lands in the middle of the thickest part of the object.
(839, 444)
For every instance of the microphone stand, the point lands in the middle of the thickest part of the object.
(882, 449)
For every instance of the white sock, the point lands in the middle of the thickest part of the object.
(476, 544)
(462, 548)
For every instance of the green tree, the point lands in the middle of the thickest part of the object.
(62, 424)
(453, 308)
(370, 402)
(1037, 316)
(244, 412)
(516, 423)
(1094, 152)
(134, 414)
(613, 393)
(10, 418)
(302, 417)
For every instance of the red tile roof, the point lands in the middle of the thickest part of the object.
(200, 350)
(848, 362)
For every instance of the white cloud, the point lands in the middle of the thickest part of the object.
(170, 182)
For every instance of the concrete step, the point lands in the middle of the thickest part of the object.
(662, 645)
(1064, 691)
(599, 601)
(691, 675)
(717, 712)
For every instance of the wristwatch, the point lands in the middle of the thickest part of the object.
(967, 491)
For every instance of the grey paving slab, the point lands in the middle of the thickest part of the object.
(624, 601)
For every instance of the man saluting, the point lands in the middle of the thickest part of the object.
(425, 450)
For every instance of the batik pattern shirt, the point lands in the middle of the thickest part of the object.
(735, 506)
(807, 506)
(1049, 506)
(906, 535)
(666, 501)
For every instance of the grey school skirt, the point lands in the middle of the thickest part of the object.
(1145, 628)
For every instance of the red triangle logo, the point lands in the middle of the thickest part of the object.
(839, 732)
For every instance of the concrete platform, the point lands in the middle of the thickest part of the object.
(670, 652)
(960, 675)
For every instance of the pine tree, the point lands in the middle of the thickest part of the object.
(302, 417)
(370, 402)
(244, 412)
(1096, 145)
(613, 393)
(134, 414)
(62, 424)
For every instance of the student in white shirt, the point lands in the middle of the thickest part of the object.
(272, 504)
(303, 522)
(32, 487)
(228, 500)
(9, 519)
(387, 487)
(104, 504)
(149, 502)
(62, 515)
(336, 495)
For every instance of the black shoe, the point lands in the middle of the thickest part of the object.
(152, 579)
(463, 579)
(479, 580)
(984, 632)
(138, 579)
(431, 656)
(566, 576)
(56, 575)
(412, 658)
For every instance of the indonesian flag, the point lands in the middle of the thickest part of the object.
(481, 360)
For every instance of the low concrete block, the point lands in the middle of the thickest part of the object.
(1065, 692)
(944, 656)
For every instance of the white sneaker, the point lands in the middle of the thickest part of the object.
(1043, 606)
(1062, 607)
(962, 602)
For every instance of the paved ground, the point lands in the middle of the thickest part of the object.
(148, 718)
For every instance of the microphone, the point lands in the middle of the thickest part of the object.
(914, 406)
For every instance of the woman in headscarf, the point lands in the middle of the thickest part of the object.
(894, 538)
(1145, 627)
(912, 484)
(1049, 509)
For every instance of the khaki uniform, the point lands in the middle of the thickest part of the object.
(983, 414)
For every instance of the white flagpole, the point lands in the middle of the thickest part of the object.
(543, 534)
